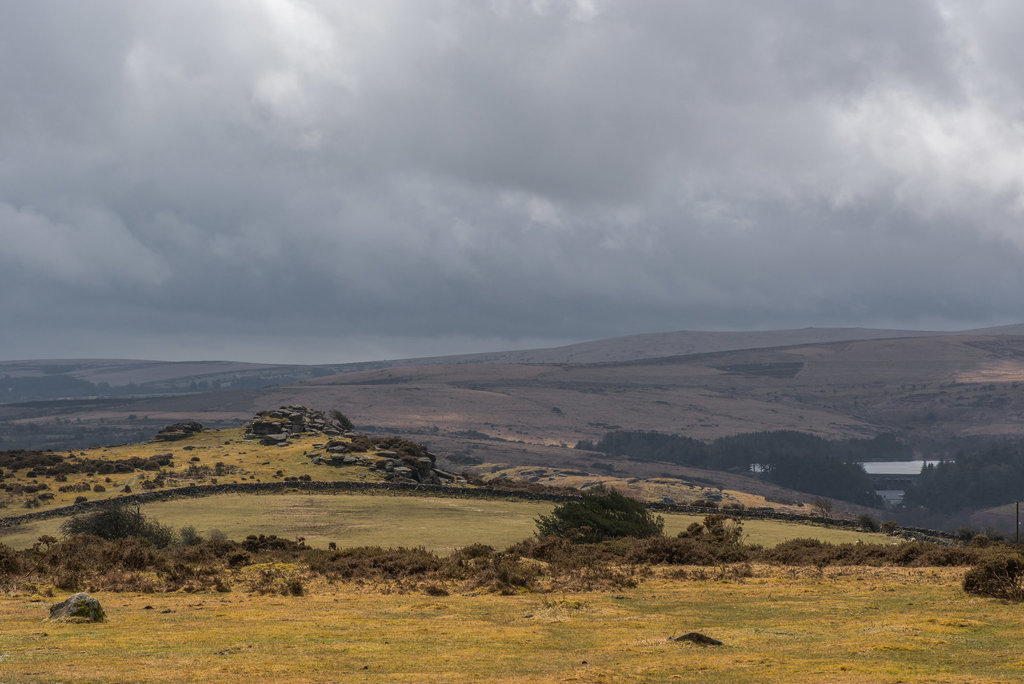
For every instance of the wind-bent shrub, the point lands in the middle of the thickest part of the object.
(603, 515)
(116, 521)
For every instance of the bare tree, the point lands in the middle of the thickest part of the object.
(823, 506)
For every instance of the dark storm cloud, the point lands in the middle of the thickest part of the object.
(291, 180)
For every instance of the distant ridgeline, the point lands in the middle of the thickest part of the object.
(66, 386)
(982, 476)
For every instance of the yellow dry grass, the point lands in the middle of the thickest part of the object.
(786, 625)
(644, 489)
(243, 461)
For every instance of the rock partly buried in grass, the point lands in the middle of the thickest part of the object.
(697, 638)
(177, 431)
(78, 608)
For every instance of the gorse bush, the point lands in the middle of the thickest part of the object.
(869, 523)
(188, 536)
(269, 564)
(602, 515)
(116, 521)
(716, 528)
(999, 576)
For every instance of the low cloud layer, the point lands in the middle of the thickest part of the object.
(309, 181)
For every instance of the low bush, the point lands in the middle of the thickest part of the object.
(188, 536)
(605, 514)
(999, 576)
(869, 523)
(672, 551)
(119, 549)
(116, 521)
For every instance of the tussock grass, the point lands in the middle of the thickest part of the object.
(779, 624)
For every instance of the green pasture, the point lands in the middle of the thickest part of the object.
(437, 523)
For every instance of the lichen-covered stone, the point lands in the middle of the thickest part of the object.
(78, 608)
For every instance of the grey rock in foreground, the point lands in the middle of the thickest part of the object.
(78, 608)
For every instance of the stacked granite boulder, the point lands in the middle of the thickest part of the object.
(398, 460)
(275, 427)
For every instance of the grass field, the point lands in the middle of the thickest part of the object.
(791, 625)
(439, 524)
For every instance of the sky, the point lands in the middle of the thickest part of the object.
(312, 181)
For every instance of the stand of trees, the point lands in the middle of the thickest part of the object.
(797, 460)
(982, 474)
(980, 479)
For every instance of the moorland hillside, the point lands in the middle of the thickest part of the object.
(924, 387)
(39, 380)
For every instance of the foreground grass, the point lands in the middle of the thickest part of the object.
(437, 523)
(782, 624)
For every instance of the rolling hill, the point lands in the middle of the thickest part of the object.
(931, 386)
(938, 392)
(37, 380)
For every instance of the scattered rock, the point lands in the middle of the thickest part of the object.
(399, 459)
(697, 638)
(78, 608)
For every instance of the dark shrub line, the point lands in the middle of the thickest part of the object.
(537, 564)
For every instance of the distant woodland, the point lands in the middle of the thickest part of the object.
(980, 479)
(974, 476)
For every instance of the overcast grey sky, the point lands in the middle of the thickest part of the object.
(326, 181)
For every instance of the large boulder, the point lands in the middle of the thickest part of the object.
(173, 433)
(78, 608)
